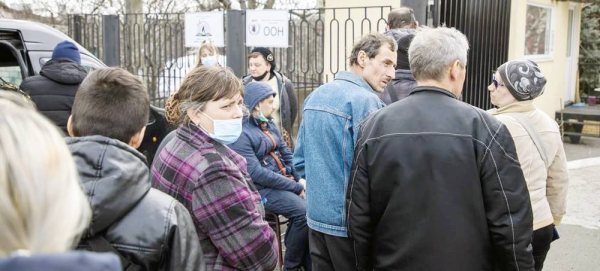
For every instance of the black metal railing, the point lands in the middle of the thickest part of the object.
(152, 45)
(486, 23)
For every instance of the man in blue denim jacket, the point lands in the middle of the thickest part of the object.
(331, 118)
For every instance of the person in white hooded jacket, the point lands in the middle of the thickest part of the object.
(539, 147)
(43, 210)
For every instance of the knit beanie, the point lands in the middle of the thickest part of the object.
(67, 49)
(267, 54)
(523, 79)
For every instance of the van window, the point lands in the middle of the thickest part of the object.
(11, 74)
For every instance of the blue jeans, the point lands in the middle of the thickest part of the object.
(291, 206)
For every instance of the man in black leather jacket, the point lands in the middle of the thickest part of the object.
(147, 227)
(436, 183)
(53, 90)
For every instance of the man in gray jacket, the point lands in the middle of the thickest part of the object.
(402, 27)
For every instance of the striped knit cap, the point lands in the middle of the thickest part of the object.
(523, 79)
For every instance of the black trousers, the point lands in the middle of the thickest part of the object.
(540, 242)
(330, 252)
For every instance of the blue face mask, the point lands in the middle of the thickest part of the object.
(209, 61)
(225, 131)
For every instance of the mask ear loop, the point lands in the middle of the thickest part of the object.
(199, 111)
(200, 125)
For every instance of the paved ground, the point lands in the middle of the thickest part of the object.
(587, 148)
(577, 249)
(579, 245)
(583, 200)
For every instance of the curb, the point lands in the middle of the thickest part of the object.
(588, 162)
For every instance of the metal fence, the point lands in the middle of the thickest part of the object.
(486, 23)
(152, 45)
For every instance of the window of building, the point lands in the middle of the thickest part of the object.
(539, 31)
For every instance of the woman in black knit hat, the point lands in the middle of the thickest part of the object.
(261, 66)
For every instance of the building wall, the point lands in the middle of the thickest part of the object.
(553, 67)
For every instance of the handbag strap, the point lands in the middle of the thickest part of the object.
(265, 130)
(524, 121)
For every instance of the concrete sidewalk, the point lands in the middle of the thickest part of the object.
(588, 147)
(577, 249)
(579, 245)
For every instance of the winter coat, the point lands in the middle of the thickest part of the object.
(148, 227)
(399, 88)
(404, 82)
(255, 146)
(260, 141)
(547, 185)
(436, 185)
(53, 90)
(212, 182)
(70, 261)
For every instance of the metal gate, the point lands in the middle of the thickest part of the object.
(486, 23)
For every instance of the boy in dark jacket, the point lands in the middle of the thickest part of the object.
(53, 90)
(271, 169)
(147, 227)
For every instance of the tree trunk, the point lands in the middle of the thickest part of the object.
(269, 4)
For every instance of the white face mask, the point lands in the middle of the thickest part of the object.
(209, 61)
(225, 131)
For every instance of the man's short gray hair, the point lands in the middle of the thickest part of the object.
(433, 50)
(371, 44)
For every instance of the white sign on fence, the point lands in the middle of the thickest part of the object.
(267, 28)
(201, 26)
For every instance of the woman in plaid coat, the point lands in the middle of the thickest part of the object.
(197, 168)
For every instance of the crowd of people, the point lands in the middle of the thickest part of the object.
(390, 170)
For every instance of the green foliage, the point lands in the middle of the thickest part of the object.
(589, 50)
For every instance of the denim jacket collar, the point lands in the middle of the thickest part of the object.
(353, 78)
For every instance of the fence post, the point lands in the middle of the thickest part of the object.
(111, 40)
(420, 9)
(236, 39)
(76, 34)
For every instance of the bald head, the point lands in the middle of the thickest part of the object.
(403, 17)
